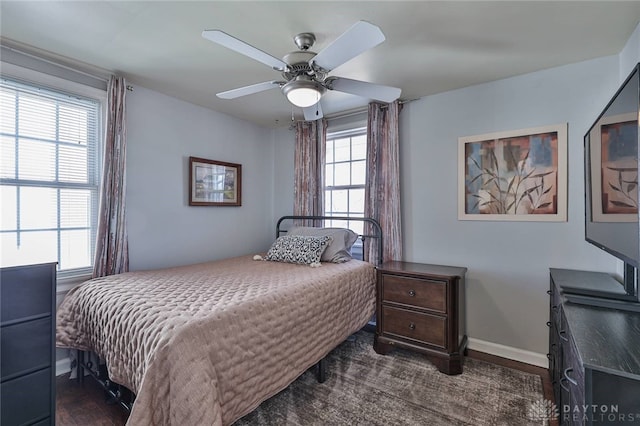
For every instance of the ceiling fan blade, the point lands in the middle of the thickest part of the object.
(313, 113)
(240, 46)
(248, 90)
(364, 89)
(360, 37)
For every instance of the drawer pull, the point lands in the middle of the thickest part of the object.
(412, 326)
(548, 323)
(549, 292)
(569, 379)
(562, 333)
(412, 293)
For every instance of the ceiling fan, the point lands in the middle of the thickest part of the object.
(306, 73)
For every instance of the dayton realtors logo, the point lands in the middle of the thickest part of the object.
(544, 411)
(593, 413)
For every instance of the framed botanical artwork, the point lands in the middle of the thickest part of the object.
(516, 175)
(613, 163)
(214, 183)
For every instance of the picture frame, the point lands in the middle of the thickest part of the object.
(518, 175)
(214, 183)
(614, 169)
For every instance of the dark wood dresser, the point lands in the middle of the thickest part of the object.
(421, 307)
(27, 346)
(594, 356)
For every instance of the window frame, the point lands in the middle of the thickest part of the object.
(351, 132)
(56, 84)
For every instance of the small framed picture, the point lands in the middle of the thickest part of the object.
(214, 183)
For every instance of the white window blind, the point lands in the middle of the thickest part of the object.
(49, 176)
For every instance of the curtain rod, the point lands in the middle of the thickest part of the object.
(359, 111)
(54, 62)
(352, 112)
(346, 113)
(62, 65)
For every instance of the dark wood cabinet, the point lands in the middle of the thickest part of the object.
(421, 307)
(594, 356)
(27, 346)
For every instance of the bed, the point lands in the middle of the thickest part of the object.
(207, 343)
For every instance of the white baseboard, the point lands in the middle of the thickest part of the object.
(508, 352)
(63, 366)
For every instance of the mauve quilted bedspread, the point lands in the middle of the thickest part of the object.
(205, 344)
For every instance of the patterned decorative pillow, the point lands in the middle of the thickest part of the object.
(304, 250)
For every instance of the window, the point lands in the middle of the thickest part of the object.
(49, 176)
(345, 176)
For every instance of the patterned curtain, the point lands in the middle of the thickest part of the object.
(112, 250)
(309, 163)
(382, 191)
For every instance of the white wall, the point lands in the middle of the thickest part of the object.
(630, 54)
(284, 145)
(508, 262)
(162, 132)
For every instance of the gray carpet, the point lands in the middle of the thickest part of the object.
(402, 388)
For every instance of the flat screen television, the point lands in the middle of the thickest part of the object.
(611, 192)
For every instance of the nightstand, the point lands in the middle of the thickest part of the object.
(420, 307)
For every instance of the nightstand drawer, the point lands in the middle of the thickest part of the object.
(424, 328)
(428, 294)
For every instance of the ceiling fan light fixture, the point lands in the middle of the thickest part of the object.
(303, 92)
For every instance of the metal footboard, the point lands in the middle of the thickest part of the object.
(116, 394)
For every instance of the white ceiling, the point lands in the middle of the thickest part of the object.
(430, 47)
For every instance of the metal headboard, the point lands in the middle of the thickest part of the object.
(375, 231)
